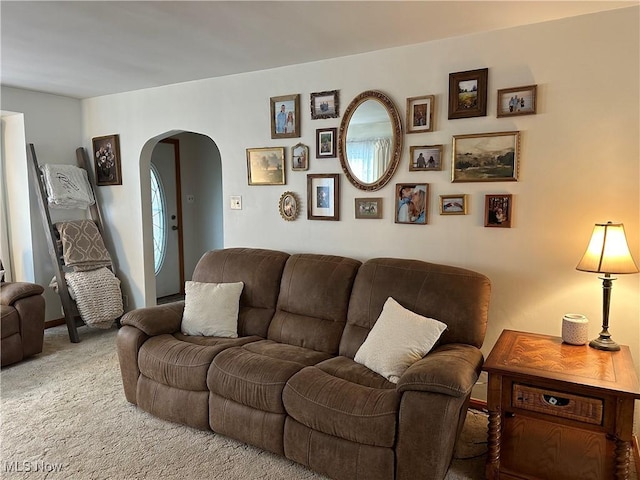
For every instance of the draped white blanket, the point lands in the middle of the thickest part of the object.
(67, 186)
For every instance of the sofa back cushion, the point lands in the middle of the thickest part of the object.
(455, 296)
(260, 270)
(313, 301)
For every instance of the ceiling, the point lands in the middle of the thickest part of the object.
(85, 49)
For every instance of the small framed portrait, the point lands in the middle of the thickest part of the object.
(412, 203)
(498, 210)
(300, 157)
(468, 94)
(325, 105)
(288, 206)
(285, 116)
(326, 141)
(453, 204)
(106, 156)
(485, 157)
(428, 157)
(420, 114)
(265, 166)
(517, 101)
(369, 207)
(323, 196)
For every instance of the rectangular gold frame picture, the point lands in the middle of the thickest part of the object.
(425, 158)
(420, 114)
(285, 116)
(323, 196)
(266, 166)
(454, 204)
(517, 101)
(412, 203)
(368, 207)
(498, 209)
(485, 157)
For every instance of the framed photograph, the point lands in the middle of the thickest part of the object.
(428, 157)
(412, 203)
(299, 157)
(468, 93)
(497, 210)
(106, 157)
(420, 114)
(265, 166)
(323, 196)
(285, 116)
(325, 105)
(369, 207)
(455, 204)
(288, 206)
(326, 142)
(517, 101)
(485, 157)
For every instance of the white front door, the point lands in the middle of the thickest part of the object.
(169, 274)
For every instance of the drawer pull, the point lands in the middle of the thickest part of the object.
(555, 401)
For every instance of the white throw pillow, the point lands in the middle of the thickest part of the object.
(398, 339)
(211, 309)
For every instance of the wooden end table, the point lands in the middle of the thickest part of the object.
(558, 411)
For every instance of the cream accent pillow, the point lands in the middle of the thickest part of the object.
(211, 309)
(398, 339)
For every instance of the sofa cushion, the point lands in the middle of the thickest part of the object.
(260, 270)
(177, 363)
(398, 339)
(211, 309)
(344, 399)
(255, 374)
(10, 322)
(455, 296)
(313, 301)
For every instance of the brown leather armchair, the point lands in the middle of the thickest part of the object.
(22, 327)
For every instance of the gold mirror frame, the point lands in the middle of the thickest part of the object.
(396, 152)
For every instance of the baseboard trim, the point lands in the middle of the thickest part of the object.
(477, 404)
(54, 323)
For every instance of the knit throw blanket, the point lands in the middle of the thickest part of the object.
(98, 297)
(67, 186)
(82, 245)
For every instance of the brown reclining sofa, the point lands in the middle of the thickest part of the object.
(289, 383)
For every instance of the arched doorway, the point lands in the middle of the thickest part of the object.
(182, 209)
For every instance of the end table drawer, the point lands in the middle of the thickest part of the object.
(559, 404)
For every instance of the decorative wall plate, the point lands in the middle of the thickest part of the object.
(289, 206)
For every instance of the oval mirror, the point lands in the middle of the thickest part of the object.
(370, 140)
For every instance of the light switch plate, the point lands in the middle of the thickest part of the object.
(236, 202)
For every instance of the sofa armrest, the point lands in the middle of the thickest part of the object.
(11, 292)
(157, 320)
(450, 369)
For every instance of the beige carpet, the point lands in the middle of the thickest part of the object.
(64, 416)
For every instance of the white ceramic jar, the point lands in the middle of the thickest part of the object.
(575, 329)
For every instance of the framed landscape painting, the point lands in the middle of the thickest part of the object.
(265, 166)
(485, 157)
(468, 93)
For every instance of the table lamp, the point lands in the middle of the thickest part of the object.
(607, 253)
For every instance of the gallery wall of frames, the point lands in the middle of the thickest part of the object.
(482, 157)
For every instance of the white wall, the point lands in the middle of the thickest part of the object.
(580, 164)
(54, 125)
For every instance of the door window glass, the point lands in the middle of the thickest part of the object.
(159, 219)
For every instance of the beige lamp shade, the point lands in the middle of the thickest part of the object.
(608, 251)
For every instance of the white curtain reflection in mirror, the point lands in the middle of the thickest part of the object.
(369, 158)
